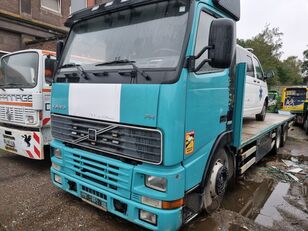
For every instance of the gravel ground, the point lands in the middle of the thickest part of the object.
(29, 201)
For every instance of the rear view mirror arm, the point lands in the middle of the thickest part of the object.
(191, 61)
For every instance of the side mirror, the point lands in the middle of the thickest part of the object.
(60, 46)
(221, 48)
(269, 75)
(222, 38)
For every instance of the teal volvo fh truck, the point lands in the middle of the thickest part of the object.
(147, 108)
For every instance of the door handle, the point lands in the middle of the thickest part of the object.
(255, 81)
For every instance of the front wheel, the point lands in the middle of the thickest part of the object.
(219, 175)
(262, 115)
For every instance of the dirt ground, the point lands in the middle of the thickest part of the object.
(265, 198)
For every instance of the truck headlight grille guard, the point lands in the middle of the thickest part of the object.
(142, 144)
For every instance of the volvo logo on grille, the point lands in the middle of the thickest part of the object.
(92, 134)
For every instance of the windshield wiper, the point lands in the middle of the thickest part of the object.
(79, 68)
(15, 84)
(126, 61)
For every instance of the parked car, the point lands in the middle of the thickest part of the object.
(274, 101)
(256, 91)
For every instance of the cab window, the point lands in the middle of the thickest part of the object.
(259, 70)
(250, 68)
(50, 66)
(202, 40)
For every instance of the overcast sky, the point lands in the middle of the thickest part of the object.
(291, 16)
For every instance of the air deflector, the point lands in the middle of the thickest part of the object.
(232, 7)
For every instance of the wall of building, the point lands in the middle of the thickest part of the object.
(9, 41)
(24, 21)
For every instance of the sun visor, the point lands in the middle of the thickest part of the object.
(232, 7)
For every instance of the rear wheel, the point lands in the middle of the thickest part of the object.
(262, 115)
(219, 175)
(284, 135)
(277, 140)
(306, 125)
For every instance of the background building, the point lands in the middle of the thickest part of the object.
(32, 23)
(80, 4)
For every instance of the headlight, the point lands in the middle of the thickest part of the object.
(57, 152)
(30, 119)
(157, 183)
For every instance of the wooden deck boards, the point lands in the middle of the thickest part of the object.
(253, 128)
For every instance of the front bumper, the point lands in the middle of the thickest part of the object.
(166, 219)
(94, 177)
(22, 142)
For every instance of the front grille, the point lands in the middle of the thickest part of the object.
(100, 172)
(130, 142)
(15, 114)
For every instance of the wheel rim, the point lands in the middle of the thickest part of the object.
(278, 139)
(219, 179)
(285, 134)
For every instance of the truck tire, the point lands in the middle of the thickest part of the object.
(278, 140)
(262, 115)
(306, 125)
(219, 174)
(284, 135)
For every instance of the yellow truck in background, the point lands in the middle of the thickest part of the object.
(295, 101)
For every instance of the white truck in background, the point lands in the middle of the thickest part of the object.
(25, 93)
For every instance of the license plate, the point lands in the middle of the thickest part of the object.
(94, 201)
(9, 142)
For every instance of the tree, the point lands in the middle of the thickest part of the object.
(289, 71)
(305, 64)
(267, 47)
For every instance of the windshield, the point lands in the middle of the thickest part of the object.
(151, 35)
(295, 96)
(271, 96)
(19, 70)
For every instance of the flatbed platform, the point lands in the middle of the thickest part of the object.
(253, 129)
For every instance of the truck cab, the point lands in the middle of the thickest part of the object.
(256, 90)
(295, 100)
(147, 108)
(25, 91)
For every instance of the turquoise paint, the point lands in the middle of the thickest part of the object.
(187, 105)
(239, 104)
(207, 100)
(175, 182)
(195, 165)
(59, 98)
(139, 104)
(167, 219)
(171, 119)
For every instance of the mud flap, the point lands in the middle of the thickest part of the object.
(24, 143)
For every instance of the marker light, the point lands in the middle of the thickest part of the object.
(57, 152)
(56, 166)
(151, 202)
(58, 179)
(30, 119)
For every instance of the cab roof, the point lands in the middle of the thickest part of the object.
(115, 5)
